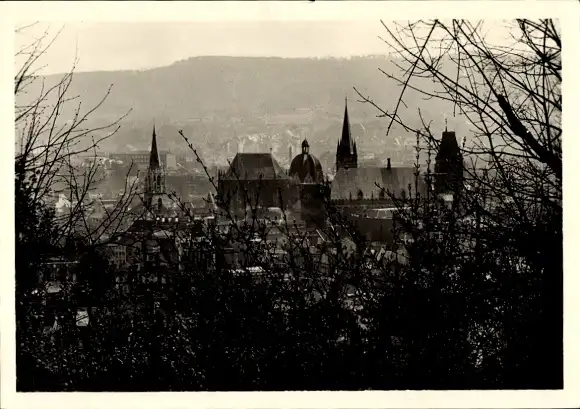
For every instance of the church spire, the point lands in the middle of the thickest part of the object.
(346, 155)
(154, 155)
(155, 180)
(346, 139)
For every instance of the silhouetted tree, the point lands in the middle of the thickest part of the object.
(501, 244)
(47, 145)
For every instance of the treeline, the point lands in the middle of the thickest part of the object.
(450, 306)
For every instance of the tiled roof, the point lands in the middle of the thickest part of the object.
(253, 166)
(347, 183)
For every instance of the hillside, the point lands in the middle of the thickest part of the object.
(215, 98)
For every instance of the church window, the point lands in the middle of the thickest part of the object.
(360, 194)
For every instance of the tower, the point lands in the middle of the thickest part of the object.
(346, 155)
(155, 179)
(448, 165)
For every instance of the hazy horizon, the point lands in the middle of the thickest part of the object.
(116, 46)
(216, 56)
(113, 46)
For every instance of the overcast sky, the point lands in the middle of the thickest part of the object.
(114, 46)
(140, 45)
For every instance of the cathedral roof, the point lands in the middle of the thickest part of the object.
(306, 167)
(349, 183)
(254, 166)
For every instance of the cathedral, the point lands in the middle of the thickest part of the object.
(368, 194)
(366, 187)
(256, 179)
(376, 186)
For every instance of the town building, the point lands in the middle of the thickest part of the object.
(148, 255)
(140, 159)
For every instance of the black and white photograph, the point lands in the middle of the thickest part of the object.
(287, 200)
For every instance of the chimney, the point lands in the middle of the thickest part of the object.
(388, 163)
(290, 154)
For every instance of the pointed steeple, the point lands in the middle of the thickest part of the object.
(346, 156)
(346, 139)
(154, 162)
(155, 180)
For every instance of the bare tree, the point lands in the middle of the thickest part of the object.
(49, 142)
(510, 94)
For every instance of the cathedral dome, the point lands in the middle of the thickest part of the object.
(306, 167)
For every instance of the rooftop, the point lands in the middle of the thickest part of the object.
(254, 166)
